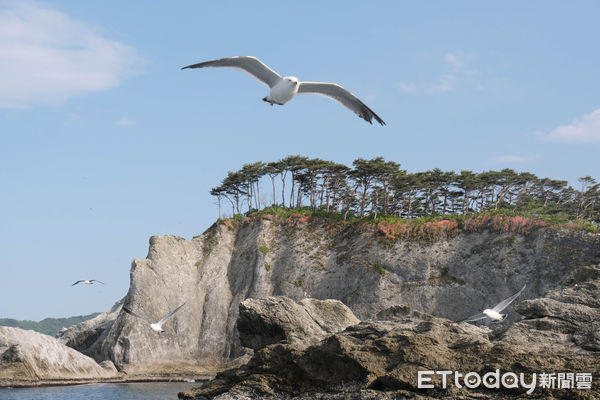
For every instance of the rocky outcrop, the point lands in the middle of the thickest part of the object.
(267, 256)
(382, 358)
(28, 356)
(568, 318)
(87, 337)
(281, 320)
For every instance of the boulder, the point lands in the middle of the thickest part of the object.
(31, 356)
(280, 319)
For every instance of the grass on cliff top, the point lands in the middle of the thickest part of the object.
(501, 220)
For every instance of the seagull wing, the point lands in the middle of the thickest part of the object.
(96, 280)
(472, 318)
(169, 315)
(506, 302)
(250, 65)
(79, 281)
(128, 311)
(337, 92)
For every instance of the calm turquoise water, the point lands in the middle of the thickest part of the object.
(101, 391)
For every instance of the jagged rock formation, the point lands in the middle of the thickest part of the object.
(267, 256)
(88, 336)
(280, 319)
(381, 358)
(28, 356)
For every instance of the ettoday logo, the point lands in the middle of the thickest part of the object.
(508, 380)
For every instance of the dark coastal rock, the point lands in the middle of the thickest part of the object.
(381, 358)
(280, 319)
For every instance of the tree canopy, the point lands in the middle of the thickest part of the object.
(379, 187)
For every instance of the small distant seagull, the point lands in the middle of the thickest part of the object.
(156, 326)
(87, 281)
(283, 88)
(494, 313)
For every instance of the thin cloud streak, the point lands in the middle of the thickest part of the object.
(125, 122)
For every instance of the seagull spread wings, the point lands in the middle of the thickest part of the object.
(497, 308)
(284, 88)
(337, 92)
(251, 65)
(159, 323)
(88, 281)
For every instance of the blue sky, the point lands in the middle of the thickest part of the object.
(105, 141)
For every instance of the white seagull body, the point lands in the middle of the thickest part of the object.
(494, 313)
(87, 281)
(284, 88)
(156, 326)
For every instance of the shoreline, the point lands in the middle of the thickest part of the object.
(9, 384)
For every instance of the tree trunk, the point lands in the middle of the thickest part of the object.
(292, 191)
(283, 176)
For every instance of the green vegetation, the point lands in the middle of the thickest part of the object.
(267, 266)
(210, 240)
(48, 326)
(376, 188)
(298, 283)
(443, 273)
(263, 249)
(379, 269)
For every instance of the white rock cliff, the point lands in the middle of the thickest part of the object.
(453, 278)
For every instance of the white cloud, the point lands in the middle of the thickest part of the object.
(454, 60)
(514, 159)
(125, 122)
(47, 57)
(584, 129)
(456, 71)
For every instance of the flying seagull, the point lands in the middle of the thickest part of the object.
(156, 326)
(283, 88)
(494, 313)
(87, 281)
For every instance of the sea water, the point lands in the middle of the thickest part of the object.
(101, 391)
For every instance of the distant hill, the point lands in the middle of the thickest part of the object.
(48, 326)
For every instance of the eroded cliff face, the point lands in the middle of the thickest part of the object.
(214, 272)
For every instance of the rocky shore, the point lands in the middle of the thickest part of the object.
(381, 358)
